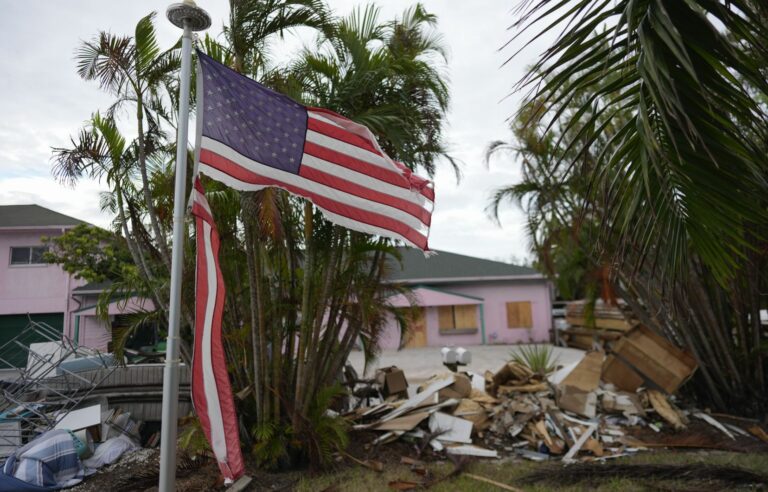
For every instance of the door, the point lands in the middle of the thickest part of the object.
(417, 329)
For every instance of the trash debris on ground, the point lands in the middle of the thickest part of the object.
(576, 413)
(71, 410)
(595, 325)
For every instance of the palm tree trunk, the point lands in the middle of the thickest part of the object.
(305, 318)
(162, 244)
(254, 312)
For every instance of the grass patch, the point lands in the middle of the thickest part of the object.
(513, 472)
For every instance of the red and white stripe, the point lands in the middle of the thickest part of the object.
(344, 173)
(211, 390)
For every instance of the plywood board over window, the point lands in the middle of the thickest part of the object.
(445, 318)
(519, 315)
(457, 319)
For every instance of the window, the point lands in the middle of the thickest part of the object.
(457, 318)
(519, 315)
(28, 255)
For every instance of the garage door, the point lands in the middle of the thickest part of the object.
(13, 324)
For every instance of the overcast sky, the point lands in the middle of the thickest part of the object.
(44, 102)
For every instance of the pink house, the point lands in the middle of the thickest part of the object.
(463, 300)
(32, 289)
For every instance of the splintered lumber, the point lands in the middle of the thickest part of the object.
(577, 340)
(418, 399)
(758, 432)
(661, 405)
(404, 423)
(512, 371)
(577, 309)
(525, 388)
(579, 443)
(605, 323)
(585, 338)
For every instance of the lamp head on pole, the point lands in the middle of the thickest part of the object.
(189, 14)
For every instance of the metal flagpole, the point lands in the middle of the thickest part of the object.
(189, 17)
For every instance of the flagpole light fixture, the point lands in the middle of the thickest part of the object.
(187, 13)
(189, 17)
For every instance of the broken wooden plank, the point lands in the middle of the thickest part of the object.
(579, 443)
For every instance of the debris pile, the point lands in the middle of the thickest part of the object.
(588, 410)
(595, 326)
(74, 403)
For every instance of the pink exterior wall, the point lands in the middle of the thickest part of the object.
(45, 289)
(495, 294)
(34, 288)
(94, 333)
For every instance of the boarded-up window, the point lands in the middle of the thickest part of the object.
(519, 315)
(457, 317)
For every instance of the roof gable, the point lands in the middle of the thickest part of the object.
(19, 216)
(446, 266)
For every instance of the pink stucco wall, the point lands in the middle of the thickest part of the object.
(94, 333)
(34, 288)
(44, 288)
(495, 294)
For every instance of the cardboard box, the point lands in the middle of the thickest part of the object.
(621, 375)
(655, 358)
(392, 380)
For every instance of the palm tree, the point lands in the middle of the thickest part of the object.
(692, 76)
(650, 117)
(136, 71)
(388, 76)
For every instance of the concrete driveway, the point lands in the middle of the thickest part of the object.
(421, 363)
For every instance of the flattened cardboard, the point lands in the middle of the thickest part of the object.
(453, 429)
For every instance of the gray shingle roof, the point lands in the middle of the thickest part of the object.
(93, 287)
(34, 216)
(445, 266)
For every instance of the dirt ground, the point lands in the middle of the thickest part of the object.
(138, 471)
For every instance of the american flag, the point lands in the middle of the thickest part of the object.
(211, 390)
(251, 137)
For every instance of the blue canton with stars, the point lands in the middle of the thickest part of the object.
(257, 122)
